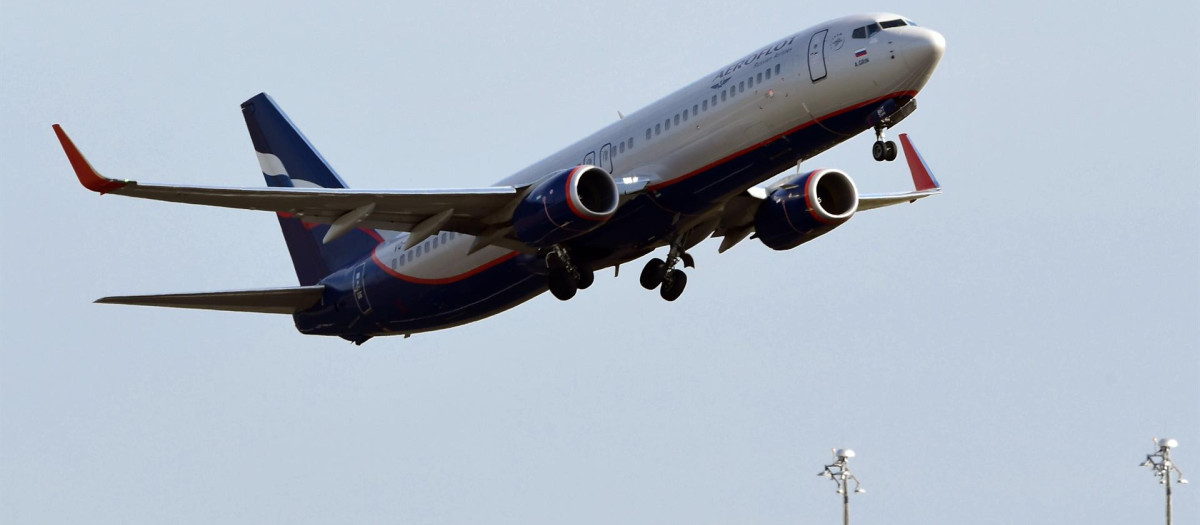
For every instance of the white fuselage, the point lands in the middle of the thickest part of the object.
(755, 99)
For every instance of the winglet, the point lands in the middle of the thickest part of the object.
(84, 170)
(923, 179)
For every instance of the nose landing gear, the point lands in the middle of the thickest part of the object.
(662, 274)
(883, 150)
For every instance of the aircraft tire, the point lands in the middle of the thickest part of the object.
(879, 150)
(672, 289)
(653, 273)
(586, 277)
(563, 284)
(889, 151)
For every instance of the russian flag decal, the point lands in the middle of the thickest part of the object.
(860, 53)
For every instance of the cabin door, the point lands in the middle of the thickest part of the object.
(816, 55)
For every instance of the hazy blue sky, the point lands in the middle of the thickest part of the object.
(1000, 354)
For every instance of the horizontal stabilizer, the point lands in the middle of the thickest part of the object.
(270, 301)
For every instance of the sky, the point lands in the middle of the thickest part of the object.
(1002, 353)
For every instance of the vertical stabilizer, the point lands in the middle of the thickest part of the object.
(289, 160)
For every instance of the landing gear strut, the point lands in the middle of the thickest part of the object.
(567, 278)
(663, 275)
(882, 150)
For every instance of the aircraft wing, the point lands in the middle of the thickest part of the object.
(924, 183)
(737, 220)
(473, 211)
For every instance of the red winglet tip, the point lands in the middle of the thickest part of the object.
(923, 179)
(84, 170)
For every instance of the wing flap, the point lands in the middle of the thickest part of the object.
(271, 300)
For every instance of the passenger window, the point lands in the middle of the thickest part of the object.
(677, 119)
(723, 95)
(859, 33)
(695, 109)
(631, 142)
(411, 254)
(657, 129)
(667, 125)
(732, 91)
(760, 77)
(704, 105)
(741, 87)
(434, 244)
(647, 133)
(621, 148)
(685, 115)
(768, 73)
(776, 69)
(714, 101)
(750, 82)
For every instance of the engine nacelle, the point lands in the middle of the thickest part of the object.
(564, 205)
(805, 208)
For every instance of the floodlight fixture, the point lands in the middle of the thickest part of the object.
(839, 472)
(1162, 465)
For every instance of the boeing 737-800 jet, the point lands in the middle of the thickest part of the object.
(674, 173)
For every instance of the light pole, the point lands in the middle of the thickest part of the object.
(839, 472)
(1160, 461)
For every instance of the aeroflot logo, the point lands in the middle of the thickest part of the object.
(778, 49)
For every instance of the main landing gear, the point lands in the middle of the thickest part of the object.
(567, 278)
(883, 150)
(663, 275)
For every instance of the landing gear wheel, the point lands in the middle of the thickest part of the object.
(879, 150)
(889, 151)
(586, 277)
(562, 284)
(653, 273)
(673, 287)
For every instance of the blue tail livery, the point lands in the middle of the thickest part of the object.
(289, 160)
(691, 166)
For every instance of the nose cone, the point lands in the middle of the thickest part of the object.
(925, 49)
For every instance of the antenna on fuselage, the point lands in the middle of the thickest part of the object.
(619, 115)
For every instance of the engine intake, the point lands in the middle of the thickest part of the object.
(565, 204)
(806, 207)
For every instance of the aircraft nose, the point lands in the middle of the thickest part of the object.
(925, 49)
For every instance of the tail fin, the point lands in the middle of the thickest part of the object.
(289, 160)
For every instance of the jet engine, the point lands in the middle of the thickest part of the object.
(564, 205)
(804, 208)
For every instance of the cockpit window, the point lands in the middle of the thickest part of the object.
(910, 22)
(892, 23)
(867, 31)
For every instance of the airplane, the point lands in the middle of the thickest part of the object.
(683, 169)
